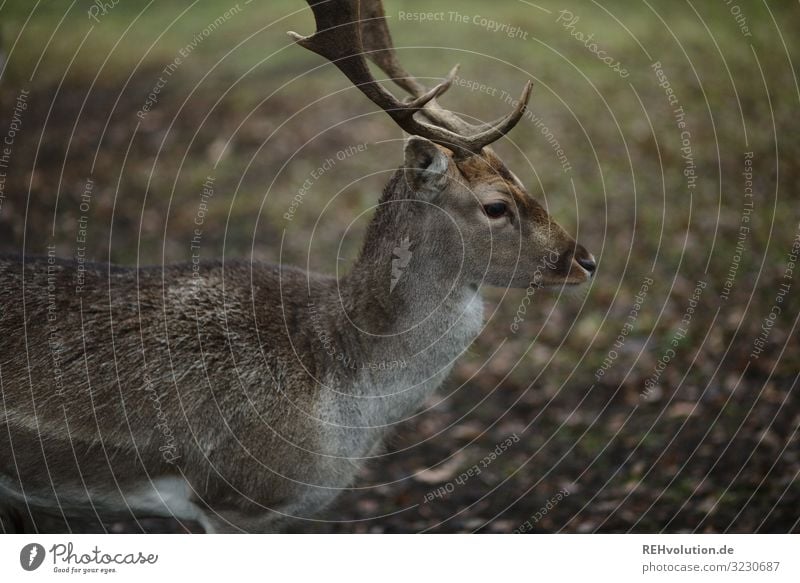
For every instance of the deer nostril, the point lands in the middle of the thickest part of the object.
(586, 260)
(578, 254)
(588, 264)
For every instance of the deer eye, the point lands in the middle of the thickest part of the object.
(495, 210)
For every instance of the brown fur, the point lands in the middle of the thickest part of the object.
(150, 378)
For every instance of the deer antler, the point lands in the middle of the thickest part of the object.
(348, 28)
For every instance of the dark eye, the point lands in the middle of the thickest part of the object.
(495, 210)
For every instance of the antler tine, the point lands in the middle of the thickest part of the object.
(498, 129)
(338, 39)
(379, 47)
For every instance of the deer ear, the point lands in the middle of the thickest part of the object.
(425, 167)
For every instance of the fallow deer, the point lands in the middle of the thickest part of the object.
(232, 399)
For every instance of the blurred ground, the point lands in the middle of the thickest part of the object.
(656, 425)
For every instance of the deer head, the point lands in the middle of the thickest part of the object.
(479, 213)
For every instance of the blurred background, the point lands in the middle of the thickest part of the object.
(663, 397)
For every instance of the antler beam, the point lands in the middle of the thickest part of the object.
(349, 30)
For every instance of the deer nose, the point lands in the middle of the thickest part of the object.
(585, 259)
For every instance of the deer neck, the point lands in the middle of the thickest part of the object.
(408, 303)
